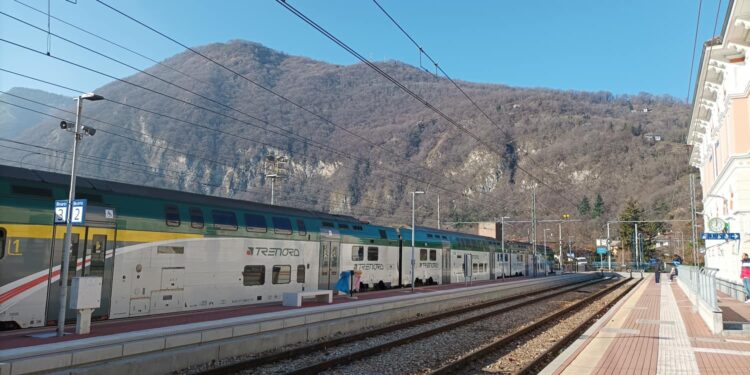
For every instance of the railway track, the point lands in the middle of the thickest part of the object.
(261, 364)
(485, 358)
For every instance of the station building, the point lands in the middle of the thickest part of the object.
(720, 135)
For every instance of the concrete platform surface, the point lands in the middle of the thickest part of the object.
(162, 344)
(654, 330)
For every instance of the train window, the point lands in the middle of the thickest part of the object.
(475, 267)
(224, 220)
(255, 223)
(254, 275)
(358, 253)
(281, 275)
(422, 254)
(445, 237)
(343, 226)
(301, 227)
(281, 225)
(170, 250)
(372, 253)
(429, 235)
(196, 217)
(2, 243)
(433, 255)
(357, 227)
(327, 224)
(301, 274)
(383, 235)
(91, 198)
(172, 215)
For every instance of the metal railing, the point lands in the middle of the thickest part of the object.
(702, 282)
(733, 289)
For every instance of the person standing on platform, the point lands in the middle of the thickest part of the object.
(745, 275)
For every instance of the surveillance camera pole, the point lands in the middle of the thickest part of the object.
(68, 241)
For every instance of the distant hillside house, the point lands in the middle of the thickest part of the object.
(720, 136)
(651, 137)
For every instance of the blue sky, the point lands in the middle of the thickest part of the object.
(620, 46)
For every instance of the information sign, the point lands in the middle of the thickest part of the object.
(601, 250)
(720, 236)
(78, 214)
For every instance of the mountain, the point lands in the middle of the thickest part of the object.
(579, 144)
(14, 120)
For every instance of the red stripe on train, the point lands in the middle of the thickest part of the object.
(30, 284)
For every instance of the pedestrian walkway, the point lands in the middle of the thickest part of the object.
(653, 330)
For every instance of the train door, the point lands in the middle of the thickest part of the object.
(92, 254)
(446, 275)
(328, 272)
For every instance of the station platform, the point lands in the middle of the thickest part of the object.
(167, 343)
(654, 330)
(45, 335)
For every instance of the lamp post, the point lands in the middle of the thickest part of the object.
(502, 241)
(545, 245)
(68, 243)
(413, 230)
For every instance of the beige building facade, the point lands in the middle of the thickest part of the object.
(720, 136)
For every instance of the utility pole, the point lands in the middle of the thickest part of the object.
(78, 131)
(273, 169)
(438, 211)
(637, 262)
(559, 243)
(692, 218)
(533, 226)
(609, 251)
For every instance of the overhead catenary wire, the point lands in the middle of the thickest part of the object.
(140, 141)
(317, 145)
(263, 87)
(411, 93)
(509, 137)
(692, 57)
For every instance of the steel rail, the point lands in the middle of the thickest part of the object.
(260, 361)
(466, 360)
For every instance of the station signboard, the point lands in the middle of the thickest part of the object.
(78, 215)
(601, 250)
(720, 236)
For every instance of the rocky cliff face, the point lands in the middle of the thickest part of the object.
(579, 143)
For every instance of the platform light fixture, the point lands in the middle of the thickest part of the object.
(79, 131)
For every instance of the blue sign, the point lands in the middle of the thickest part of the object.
(720, 236)
(78, 214)
(601, 250)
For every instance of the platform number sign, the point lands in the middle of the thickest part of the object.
(78, 213)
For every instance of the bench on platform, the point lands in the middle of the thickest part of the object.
(295, 298)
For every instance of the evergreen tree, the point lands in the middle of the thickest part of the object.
(598, 207)
(631, 212)
(584, 207)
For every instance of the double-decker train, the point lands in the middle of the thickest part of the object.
(160, 251)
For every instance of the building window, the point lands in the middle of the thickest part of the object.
(255, 223)
(172, 215)
(358, 253)
(422, 254)
(281, 275)
(301, 227)
(301, 274)
(372, 253)
(196, 218)
(254, 275)
(282, 225)
(224, 220)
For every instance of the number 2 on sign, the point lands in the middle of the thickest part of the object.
(77, 213)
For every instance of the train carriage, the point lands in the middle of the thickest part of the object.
(160, 251)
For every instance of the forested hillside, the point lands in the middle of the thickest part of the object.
(383, 145)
